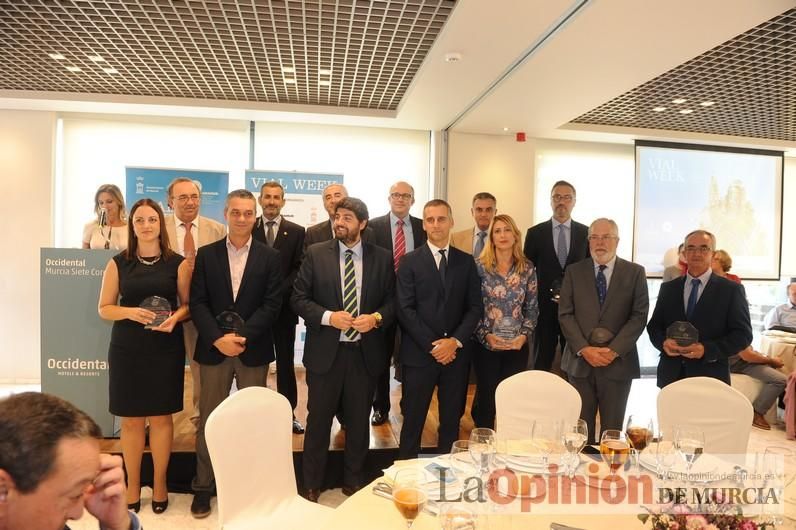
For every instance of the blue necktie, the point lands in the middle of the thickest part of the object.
(692, 298)
(602, 285)
(561, 251)
(479, 245)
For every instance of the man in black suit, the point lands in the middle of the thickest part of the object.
(344, 291)
(551, 246)
(607, 295)
(324, 231)
(288, 238)
(439, 304)
(234, 275)
(400, 233)
(716, 306)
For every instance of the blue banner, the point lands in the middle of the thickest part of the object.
(154, 182)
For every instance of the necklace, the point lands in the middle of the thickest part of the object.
(148, 261)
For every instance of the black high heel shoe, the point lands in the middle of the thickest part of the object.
(160, 506)
(135, 506)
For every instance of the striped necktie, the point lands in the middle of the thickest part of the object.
(400, 244)
(350, 292)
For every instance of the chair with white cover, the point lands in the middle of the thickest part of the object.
(533, 395)
(721, 412)
(249, 439)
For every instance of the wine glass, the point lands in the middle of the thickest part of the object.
(544, 436)
(690, 443)
(460, 454)
(615, 449)
(482, 447)
(779, 472)
(664, 455)
(639, 432)
(455, 516)
(408, 494)
(574, 438)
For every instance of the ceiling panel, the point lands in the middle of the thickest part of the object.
(343, 53)
(744, 87)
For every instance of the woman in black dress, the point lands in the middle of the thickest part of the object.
(146, 364)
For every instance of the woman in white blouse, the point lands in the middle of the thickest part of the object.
(109, 230)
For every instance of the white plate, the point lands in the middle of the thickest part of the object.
(706, 465)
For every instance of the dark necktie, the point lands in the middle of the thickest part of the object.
(692, 298)
(561, 251)
(443, 266)
(400, 244)
(189, 245)
(350, 291)
(269, 233)
(602, 285)
(479, 244)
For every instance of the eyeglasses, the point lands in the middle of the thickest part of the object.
(602, 238)
(186, 198)
(559, 198)
(405, 196)
(702, 249)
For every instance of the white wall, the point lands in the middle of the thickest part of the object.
(497, 164)
(26, 164)
(789, 219)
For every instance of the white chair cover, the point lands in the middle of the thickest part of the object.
(723, 413)
(250, 444)
(533, 395)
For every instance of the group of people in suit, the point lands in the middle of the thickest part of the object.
(408, 290)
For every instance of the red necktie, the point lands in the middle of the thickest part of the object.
(399, 249)
(188, 245)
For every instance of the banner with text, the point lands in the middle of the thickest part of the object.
(303, 200)
(154, 182)
(74, 339)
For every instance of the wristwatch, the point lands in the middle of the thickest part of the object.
(378, 318)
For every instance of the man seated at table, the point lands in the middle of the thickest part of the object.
(765, 369)
(51, 467)
(783, 317)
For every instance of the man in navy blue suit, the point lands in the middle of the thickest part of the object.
(439, 305)
(241, 275)
(716, 306)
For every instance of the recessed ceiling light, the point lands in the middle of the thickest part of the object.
(73, 68)
(96, 58)
(324, 83)
(290, 80)
(678, 101)
(110, 70)
(686, 111)
(324, 72)
(659, 109)
(453, 57)
(708, 103)
(505, 129)
(56, 56)
(288, 70)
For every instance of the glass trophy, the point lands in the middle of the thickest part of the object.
(158, 305)
(230, 322)
(600, 337)
(683, 333)
(555, 291)
(506, 328)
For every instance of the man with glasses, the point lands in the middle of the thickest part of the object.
(473, 240)
(552, 246)
(602, 312)
(715, 306)
(187, 232)
(400, 233)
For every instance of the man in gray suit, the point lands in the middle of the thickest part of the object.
(602, 312)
